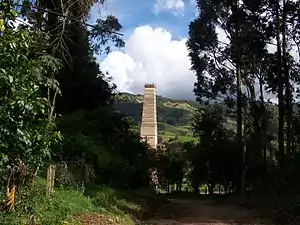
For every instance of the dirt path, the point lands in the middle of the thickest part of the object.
(199, 212)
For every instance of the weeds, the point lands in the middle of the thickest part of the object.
(66, 206)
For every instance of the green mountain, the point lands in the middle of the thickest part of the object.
(174, 116)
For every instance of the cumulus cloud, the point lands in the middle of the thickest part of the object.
(175, 6)
(193, 4)
(152, 55)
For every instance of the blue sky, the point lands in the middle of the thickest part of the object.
(142, 12)
(155, 33)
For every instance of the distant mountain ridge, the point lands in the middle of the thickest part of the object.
(174, 116)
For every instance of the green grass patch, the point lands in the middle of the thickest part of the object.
(183, 133)
(166, 137)
(65, 206)
(186, 138)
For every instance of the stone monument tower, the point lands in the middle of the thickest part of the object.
(149, 116)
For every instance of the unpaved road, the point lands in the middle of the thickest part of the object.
(199, 212)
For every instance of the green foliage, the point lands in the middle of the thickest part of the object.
(238, 72)
(206, 158)
(171, 163)
(33, 205)
(99, 143)
(172, 112)
(174, 116)
(121, 201)
(84, 86)
(27, 129)
(65, 205)
(105, 34)
(182, 133)
(112, 150)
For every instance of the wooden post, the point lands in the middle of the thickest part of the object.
(50, 179)
(11, 197)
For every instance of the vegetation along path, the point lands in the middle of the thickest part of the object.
(196, 212)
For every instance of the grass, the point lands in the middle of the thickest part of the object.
(183, 133)
(180, 137)
(130, 105)
(70, 206)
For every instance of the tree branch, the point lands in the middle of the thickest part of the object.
(69, 17)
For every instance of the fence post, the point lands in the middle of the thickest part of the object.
(50, 179)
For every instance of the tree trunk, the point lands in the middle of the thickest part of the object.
(196, 189)
(239, 117)
(281, 105)
(263, 136)
(288, 93)
(211, 189)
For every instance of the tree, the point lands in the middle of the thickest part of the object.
(215, 143)
(101, 142)
(83, 84)
(222, 68)
(27, 127)
(171, 164)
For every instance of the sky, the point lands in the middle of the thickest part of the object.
(155, 33)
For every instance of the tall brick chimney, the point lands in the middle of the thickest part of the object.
(149, 116)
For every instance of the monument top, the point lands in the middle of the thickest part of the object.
(150, 85)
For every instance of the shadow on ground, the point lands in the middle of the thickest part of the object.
(179, 211)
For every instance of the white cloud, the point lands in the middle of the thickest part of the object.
(175, 6)
(193, 4)
(151, 55)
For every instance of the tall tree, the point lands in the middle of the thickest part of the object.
(83, 84)
(215, 142)
(224, 69)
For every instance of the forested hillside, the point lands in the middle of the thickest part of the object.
(174, 116)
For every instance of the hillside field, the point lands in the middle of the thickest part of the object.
(174, 116)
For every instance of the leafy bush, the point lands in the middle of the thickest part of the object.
(27, 129)
(112, 151)
(33, 205)
(66, 206)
